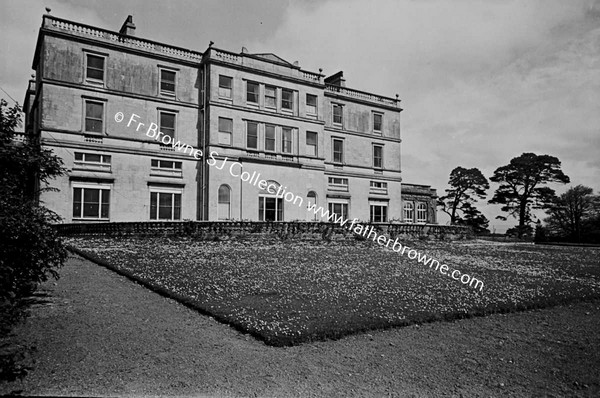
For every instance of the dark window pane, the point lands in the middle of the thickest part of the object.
(153, 205)
(78, 156)
(95, 67)
(91, 157)
(177, 207)
(77, 202)
(224, 194)
(167, 124)
(167, 81)
(287, 99)
(154, 163)
(225, 125)
(269, 138)
(252, 92)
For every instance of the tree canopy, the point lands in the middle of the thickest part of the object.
(523, 186)
(466, 186)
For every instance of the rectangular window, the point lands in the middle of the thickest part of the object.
(94, 117)
(409, 212)
(379, 213)
(286, 140)
(91, 203)
(167, 82)
(269, 138)
(270, 97)
(167, 124)
(252, 135)
(339, 209)
(165, 165)
(421, 212)
(338, 151)
(225, 86)
(337, 114)
(287, 100)
(378, 156)
(377, 123)
(225, 130)
(270, 208)
(338, 184)
(311, 104)
(252, 92)
(378, 187)
(165, 206)
(94, 70)
(311, 143)
(92, 161)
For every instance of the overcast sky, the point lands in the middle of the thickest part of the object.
(480, 81)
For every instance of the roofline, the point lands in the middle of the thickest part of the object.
(43, 29)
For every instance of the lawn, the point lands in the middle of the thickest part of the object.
(289, 292)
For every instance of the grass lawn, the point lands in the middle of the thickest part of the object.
(289, 292)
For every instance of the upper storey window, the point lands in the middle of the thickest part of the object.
(377, 123)
(225, 86)
(311, 104)
(252, 92)
(167, 82)
(94, 68)
(338, 115)
(287, 100)
(94, 117)
(270, 97)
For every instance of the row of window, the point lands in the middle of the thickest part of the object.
(94, 203)
(409, 212)
(94, 118)
(273, 97)
(95, 74)
(101, 162)
(280, 139)
(271, 207)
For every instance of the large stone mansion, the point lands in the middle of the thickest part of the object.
(335, 146)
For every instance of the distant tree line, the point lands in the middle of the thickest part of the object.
(573, 216)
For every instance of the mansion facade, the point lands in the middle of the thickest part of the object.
(336, 147)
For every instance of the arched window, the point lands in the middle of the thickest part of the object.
(270, 206)
(224, 208)
(421, 212)
(311, 206)
(409, 212)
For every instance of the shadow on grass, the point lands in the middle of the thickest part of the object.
(330, 332)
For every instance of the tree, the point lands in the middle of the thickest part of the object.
(571, 214)
(30, 250)
(474, 218)
(522, 186)
(465, 186)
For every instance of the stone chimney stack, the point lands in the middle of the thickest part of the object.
(128, 28)
(336, 79)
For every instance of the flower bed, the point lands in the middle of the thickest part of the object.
(291, 292)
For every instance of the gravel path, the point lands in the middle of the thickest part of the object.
(103, 335)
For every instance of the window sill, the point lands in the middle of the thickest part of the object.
(91, 219)
(97, 83)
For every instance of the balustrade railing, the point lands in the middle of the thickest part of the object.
(248, 228)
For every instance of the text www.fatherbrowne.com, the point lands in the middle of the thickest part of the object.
(254, 179)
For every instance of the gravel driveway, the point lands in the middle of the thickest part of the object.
(103, 335)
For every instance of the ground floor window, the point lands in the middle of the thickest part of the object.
(91, 202)
(340, 209)
(270, 208)
(409, 212)
(165, 206)
(224, 208)
(421, 212)
(379, 212)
